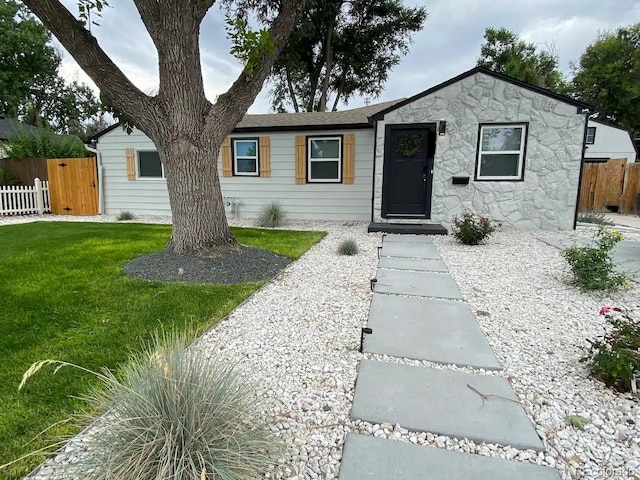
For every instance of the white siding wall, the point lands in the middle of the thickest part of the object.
(610, 142)
(304, 202)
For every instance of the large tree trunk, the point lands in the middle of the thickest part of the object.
(199, 218)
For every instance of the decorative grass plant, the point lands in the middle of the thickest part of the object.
(272, 215)
(348, 247)
(173, 414)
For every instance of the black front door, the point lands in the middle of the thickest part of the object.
(408, 168)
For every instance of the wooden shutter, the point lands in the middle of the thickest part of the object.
(225, 152)
(301, 160)
(131, 163)
(349, 158)
(265, 156)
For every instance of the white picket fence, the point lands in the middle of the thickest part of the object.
(21, 200)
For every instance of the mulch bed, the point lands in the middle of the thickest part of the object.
(246, 264)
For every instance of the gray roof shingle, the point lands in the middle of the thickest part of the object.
(11, 125)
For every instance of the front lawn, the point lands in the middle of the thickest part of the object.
(63, 295)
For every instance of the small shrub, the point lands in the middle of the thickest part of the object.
(173, 414)
(471, 229)
(348, 247)
(122, 216)
(592, 266)
(273, 215)
(597, 218)
(8, 179)
(614, 358)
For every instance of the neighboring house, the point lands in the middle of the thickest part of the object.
(605, 141)
(9, 126)
(481, 141)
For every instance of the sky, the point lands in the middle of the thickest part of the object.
(448, 45)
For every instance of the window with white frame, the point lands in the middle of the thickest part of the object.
(501, 151)
(149, 164)
(245, 156)
(591, 135)
(324, 159)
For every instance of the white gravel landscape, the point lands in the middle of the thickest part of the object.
(298, 338)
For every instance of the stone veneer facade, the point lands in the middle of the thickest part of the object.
(546, 199)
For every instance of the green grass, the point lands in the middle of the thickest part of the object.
(63, 295)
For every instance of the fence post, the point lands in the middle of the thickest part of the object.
(39, 198)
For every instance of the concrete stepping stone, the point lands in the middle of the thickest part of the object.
(407, 238)
(420, 264)
(428, 329)
(409, 250)
(441, 402)
(372, 458)
(424, 284)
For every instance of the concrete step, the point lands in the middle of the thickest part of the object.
(428, 329)
(443, 402)
(371, 458)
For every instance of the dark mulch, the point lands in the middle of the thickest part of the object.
(246, 264)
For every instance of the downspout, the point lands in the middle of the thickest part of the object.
(100, 176)
(373, 180)
(587, 114)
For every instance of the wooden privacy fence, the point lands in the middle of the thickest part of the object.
(615, 183)
(27, 170)
(24, 200)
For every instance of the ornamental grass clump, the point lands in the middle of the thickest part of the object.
(272, 215)
(124, 216)
(592, 266)
(348, 247)
(173, 414)
(614, 358)
(472, 229)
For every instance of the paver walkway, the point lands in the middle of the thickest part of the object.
(417, 312)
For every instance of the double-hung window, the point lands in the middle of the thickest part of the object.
(501, 152)
(245, 157)
(149, 164)
(591, 135)
(324, 159)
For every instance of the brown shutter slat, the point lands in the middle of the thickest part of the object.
(131, 163)
(265, 156)
(349, 158)
(225, 152)
(301, 160)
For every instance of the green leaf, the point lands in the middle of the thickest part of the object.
(576, 421)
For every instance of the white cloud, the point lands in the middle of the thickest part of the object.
(448, 45)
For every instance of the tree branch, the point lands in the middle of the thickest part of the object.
(116, 89)
(292, 92)
(236, 101)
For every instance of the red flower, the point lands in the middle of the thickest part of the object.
(605, 310)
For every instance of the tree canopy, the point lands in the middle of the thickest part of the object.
(608, 76)
(341, 49)
(503, 51)
(30, 84)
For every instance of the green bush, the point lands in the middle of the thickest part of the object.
(125, 215)
(43, 143)
(592, 266)
(614, 358)
(272, 215)
(471, 229)
(8, 179)
(597, 218)
(174, 414)
(348, 247)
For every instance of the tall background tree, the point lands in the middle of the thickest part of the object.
(341, 49)
(30, 84)
(608, 76)
(186, 128)
(503, 51)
